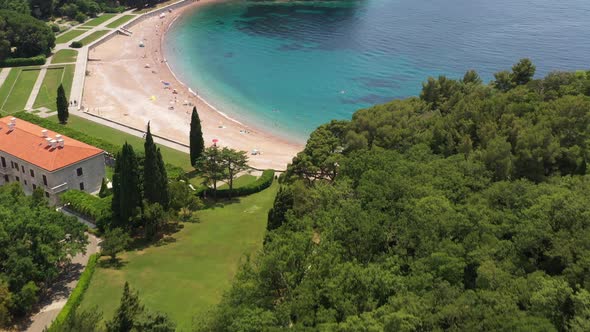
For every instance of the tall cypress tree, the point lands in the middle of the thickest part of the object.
(126, 188)
(163, 181)
(151, 190)
(196, 137)
(62, 105)
(155, 186)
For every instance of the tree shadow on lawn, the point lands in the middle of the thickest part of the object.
(109, 263)
(163, 238)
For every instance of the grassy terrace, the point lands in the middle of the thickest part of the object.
(48, 91)
(67, 36)
(241, 181)
(64, 56)
(120, 21)
(93, 36)
(114, 136)
(99, 20)
(187, 275)
(15, 91)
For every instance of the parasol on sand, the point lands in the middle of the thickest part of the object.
(215, 140)
(153, 98)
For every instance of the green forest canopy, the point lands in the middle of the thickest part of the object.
(466, 209)
(35, 243)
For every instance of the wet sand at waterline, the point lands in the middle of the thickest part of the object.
(125, 84)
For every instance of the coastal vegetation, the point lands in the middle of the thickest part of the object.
(36, 242)
(463, 209)
(23, 36)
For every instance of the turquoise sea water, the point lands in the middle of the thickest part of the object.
(291, 67)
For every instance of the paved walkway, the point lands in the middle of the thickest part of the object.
(3, 74)
(36, 89)
(60, 292)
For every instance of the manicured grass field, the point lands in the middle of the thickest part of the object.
(48, 91)
(67, 36)
(64, 56)
(117, 137)
(120, 21)
(99, 20)
(15, 91)
(188, 275)
(93, 36)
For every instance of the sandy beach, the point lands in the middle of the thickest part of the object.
(125, 83)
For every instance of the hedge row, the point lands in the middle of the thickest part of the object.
(77, 294)
(174, 172)
(87, 205)
(21, 62)
(263, 182)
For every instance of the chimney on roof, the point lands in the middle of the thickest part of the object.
(60, 142)
(44, 133)
(58, 137)
(53, 144)
(13, 120)
(48, 140)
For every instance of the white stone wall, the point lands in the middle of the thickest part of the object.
(93, 172)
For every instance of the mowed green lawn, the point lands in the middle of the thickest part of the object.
(67, 36)
(120, 21)
(48, 92)
(99, 20)
(64, 56)
(188, 275)
(241, 181)
(93, 36)
(117, 137)
(15, 91)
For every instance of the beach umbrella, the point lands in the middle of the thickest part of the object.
(153, 98)
(215, 140)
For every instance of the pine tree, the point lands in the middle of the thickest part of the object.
(126, 201)
(197, 144)
(129, 309)
(62, 105)
(283, 203)
(155, 186)
(211, 167)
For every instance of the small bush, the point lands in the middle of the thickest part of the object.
(77, 294)
(21, 62)
(55, 27)
(81, 17)
(263, 182)
(76, 44)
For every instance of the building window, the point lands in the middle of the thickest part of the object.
(3, 162)
(16, 166)
(44, 179)
(22, 168)
(26, 182)
(81, 185)
(79, 171)
(6, 179)
(11, 164)
(32, 173)
(47, 194)
(17, 179)
(34, 186)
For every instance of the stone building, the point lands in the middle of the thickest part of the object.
(40, 158)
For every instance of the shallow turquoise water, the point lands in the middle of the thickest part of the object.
(292, 67)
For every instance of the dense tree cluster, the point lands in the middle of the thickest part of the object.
(465, 210)
(35, 243)
(23, 36)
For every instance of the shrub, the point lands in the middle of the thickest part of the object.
(263, 182)
(88, 205)
(76, 44)
(81, 17)
(77, 294)
(21, 62)
(54, 27)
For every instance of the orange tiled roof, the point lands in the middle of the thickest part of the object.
(27, 143)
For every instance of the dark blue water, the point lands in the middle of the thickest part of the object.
(292, 67)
